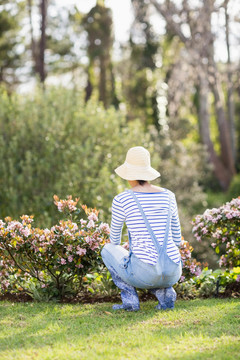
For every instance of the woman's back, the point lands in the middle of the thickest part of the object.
(155, 206)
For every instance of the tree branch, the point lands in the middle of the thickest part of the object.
(175, 27)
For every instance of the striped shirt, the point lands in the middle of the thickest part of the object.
(155, 206)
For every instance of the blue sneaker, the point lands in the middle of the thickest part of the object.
(124, 307)
(170, 297)
(166, 298)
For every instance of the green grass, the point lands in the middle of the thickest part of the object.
(196, 329)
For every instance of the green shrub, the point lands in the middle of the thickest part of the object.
(234, 189)
(52, 143)
(209, 283)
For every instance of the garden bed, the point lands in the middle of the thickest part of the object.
(232, 291)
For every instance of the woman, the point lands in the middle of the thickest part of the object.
(151, 216)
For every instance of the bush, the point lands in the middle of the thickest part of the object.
(53, 143)
(209, 283)
(234, 189)
(190, 266)
(222, 226)
(51, 263)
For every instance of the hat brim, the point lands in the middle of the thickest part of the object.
(127, 173)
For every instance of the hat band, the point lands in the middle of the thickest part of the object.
(136, 167)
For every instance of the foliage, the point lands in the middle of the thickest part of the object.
(209, 283)
(98, 26)
(100, 283)
(234, 189)
(51, 263)
(190, 266)
(223, 225)
(10, 40)
(51, 143)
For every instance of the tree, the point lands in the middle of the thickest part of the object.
(52, 38)
(98, 25)
(38, 46)
(199, 56)
(10, 55)
(140, 89)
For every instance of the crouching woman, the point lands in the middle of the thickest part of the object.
(153, 261)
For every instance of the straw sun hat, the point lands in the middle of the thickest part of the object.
(137, 165)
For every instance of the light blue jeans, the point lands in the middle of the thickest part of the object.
(135, 272)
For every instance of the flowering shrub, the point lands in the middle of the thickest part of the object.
(222, 227)
(190, 267)
(53, 259)
(211, 283)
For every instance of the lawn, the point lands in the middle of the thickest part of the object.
(196, 329)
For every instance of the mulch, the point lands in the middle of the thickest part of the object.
(231, 291)
(82, 298)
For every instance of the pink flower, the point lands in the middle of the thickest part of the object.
(204, 230)
(80, 251)
(222, 261)
(238, 278)
(105, 228)
(93, 217)
(198, 271)
(79, 266)
(6, 283)
(91, 224)
(63, 261)
(126, 245)
(70, 258)
(60, 206)
(89, 240)
(43, 286)
(182, 278)
(25, 232)
(213, 245)
(192, 268)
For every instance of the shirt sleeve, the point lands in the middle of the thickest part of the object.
(175, 223)
(118, 218)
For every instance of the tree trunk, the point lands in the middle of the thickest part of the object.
(223, 126)
(220, 170)
(230, 102)
(33, 42)
(43, 11)
(89, 87)
(114, 99)
(102, 81)
(200, 48)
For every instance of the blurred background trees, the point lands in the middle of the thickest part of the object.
(165, 88)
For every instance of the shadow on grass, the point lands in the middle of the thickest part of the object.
(224, 352)
(38, 325)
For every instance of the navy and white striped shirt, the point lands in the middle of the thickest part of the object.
(155, 206)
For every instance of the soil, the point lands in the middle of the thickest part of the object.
(83, 298)
(232, 290)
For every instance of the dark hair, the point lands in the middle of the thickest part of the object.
(141, 182)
